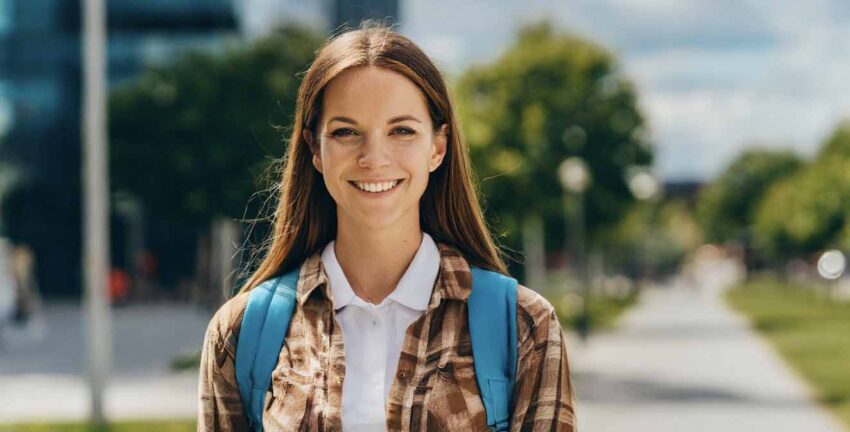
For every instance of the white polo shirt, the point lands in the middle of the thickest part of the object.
(373, 334)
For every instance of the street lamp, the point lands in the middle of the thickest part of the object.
(575, 179)
(643, 184)
(831, 266)
(574, 175)
(96, 206)
(645, 187)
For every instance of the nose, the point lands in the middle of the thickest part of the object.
(373, 154)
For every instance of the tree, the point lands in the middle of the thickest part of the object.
(726, 209)
(549, 97)
(809, 211)
(194, 140)
(653, 237)
(191, 139)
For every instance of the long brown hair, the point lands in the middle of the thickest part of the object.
(305, 219)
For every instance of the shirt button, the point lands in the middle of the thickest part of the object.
(375, 323)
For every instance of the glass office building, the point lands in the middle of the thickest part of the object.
(40, 88)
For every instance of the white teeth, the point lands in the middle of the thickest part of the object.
(376, 187)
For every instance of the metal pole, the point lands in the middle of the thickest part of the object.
(581, 255)
(574, 230)
(96, 211)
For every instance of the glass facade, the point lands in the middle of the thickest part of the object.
(40, 78)
(350, 13)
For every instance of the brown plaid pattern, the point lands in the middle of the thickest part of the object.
(435, 387)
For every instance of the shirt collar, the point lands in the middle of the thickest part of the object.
(453, 277)
(413, 289)
(341, 289)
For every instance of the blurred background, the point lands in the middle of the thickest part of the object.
(674, 176)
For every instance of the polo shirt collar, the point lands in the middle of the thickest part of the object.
(413, 290)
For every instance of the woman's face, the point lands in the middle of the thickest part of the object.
(377, 147)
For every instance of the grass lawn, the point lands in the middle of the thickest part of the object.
(140, 426)
(810, 332)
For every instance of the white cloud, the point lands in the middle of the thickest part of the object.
(699, 132)
(789, 95)
(714, 77)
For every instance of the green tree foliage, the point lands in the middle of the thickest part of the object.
(191, 138)
(810, 210)
(549, 97)
(837, 146)
(726, 209)
(655, 234)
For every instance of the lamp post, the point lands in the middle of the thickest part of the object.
(643, 184)
(96, 209)
(575, 179)
(831, 266)
(645, 187)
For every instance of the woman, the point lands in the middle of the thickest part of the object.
(378, 211)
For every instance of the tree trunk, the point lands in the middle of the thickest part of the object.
(535, 252)
(224, 250)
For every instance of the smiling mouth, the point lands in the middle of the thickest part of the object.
(376, 188)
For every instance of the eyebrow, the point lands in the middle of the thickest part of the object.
(391, 121)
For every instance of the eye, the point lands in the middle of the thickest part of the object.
(401, 130)
(342, 132)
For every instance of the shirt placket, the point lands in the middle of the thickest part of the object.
(334, 355)
(410, 372)
(377, 358)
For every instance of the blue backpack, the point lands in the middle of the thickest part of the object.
(492, 328)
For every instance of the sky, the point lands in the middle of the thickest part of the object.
(714, 77)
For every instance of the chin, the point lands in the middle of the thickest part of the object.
(380, 217)
(376, 223)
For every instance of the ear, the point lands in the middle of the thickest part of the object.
(438, 150)
(307, 134)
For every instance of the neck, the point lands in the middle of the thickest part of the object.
(374, 260)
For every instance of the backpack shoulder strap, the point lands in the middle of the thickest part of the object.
(492, 328)
(264, 325)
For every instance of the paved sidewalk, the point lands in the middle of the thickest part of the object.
(681, 361)
(65, 398)
(42, 371)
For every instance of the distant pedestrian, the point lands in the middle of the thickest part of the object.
(378, 221)
(27, 295)
(7, 286)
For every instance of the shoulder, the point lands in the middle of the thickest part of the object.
(225, 324)
(535, 315)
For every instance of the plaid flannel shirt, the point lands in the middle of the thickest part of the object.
(434, 387)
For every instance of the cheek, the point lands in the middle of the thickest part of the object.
(333, 165)
(335, 159)
(416, 158)
(416, 166)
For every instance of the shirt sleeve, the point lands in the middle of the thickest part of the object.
(543, 395)
(219, 402)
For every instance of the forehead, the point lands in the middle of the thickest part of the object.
(372, 93)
